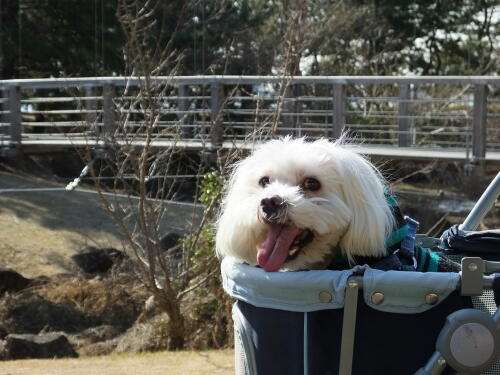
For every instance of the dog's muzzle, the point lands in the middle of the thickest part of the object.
(273, 209)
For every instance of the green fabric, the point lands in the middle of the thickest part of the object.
(427, 260)
(434, 261)
(420, 259)
(397, 236)
(391, 200)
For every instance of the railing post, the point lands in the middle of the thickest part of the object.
(404, 135)
(479, 122)
(108, 116)
(338, 109)
(288, 109)
(15, 116)
(4, 118)
(216, 106)
(90, 106)
(182, 107)
(297, 108)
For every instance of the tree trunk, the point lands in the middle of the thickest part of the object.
(176, 324)
(176, 330)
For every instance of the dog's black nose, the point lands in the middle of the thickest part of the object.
(272, 207)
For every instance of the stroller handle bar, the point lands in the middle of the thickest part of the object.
(482, 206)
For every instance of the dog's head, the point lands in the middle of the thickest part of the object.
(291, 204)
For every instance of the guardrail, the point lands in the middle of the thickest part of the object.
(435, 113)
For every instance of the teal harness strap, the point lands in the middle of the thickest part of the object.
(403, 257)
(397, 236)
(403, 254)
(428, 261)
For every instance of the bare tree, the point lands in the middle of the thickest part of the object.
(140, 155)
(142, 160)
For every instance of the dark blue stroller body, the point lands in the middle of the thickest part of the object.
(368, 321)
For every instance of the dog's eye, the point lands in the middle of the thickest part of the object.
(264, 181)
(311, 184)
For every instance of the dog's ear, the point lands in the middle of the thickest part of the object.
(237, 218)
(363, 190)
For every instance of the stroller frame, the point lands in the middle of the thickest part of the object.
(474, 280)
(469, 341)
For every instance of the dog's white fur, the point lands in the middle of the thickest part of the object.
(349, 212)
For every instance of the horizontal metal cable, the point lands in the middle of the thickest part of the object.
(63, 99)
(236, 80)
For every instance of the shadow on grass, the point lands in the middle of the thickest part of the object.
(76, 210)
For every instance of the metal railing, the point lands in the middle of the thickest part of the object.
(426, 113)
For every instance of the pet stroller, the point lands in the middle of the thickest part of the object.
(368, 321)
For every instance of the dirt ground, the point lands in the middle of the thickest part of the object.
(40, 230)
(164, 363)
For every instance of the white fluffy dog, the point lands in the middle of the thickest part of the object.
(292, 204)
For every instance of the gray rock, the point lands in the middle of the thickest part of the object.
(12, 281)
(52, 345)
(96, 334)
(170, 240)
(29, 313)
(95, 260)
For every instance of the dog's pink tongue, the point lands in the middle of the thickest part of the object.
(276, 246)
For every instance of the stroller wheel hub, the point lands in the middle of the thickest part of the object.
(472, 344)
(469, 341)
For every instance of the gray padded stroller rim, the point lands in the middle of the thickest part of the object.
(306, 291)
